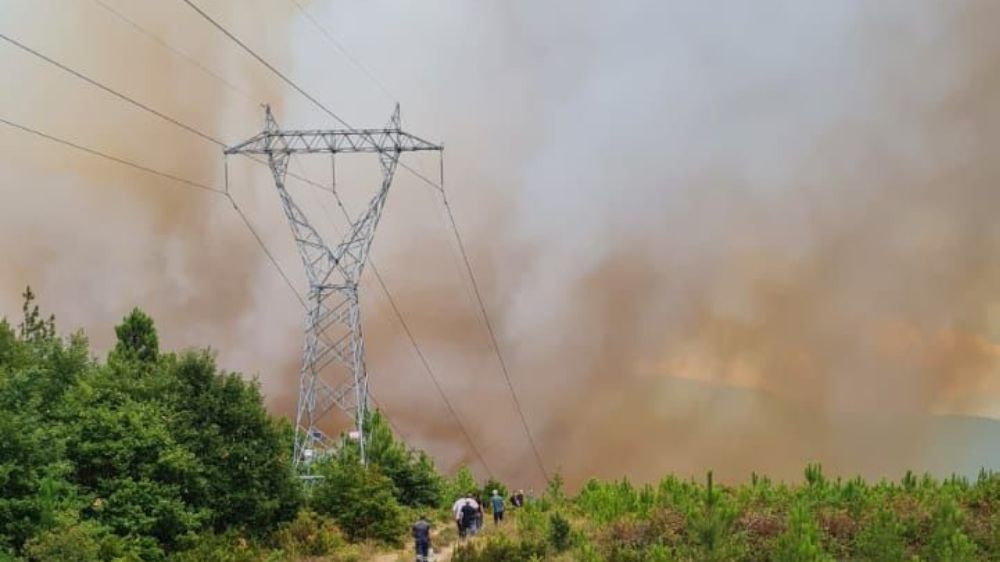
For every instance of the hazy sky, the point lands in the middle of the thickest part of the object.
(711, 234)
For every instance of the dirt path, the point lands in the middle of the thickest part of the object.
(442, 555)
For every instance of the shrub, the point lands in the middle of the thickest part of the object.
(710, 523)
(499, 548)
(531, 522)
(415, 479)
(309, 534)
(360, 499)
(801, 541)
(881, 540)
(80, 543)
(86, 541)
(493, 484)
(458, 486)
(947, 542)
(223, 548)
(559, 532)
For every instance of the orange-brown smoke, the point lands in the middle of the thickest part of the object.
(740, 242)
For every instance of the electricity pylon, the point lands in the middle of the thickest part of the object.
(333, 372)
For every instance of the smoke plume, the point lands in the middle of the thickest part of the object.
(710, 235)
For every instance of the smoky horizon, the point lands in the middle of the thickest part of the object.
(708, 235)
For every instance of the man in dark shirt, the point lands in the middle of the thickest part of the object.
(469, 515)
(422, 538)
(517, 500)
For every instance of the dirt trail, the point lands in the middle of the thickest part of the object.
(406, 554)
(444, 555)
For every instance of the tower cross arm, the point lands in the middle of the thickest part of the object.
(333, 141)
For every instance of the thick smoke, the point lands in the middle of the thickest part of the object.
(711, 235)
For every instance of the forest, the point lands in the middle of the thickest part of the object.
(163, 456)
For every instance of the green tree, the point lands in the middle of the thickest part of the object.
(801, 540)
(243, 454)
(882, 539)
(360, 499)
(710, 522)
(34, 327)
(462, 483)
(412, 472)
(559, 532)
(137, 338)
(947, 542)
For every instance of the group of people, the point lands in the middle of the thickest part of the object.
(468, 513)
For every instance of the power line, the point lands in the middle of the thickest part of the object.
(288, 80)
(409, 334)
(111, 91)
(183, 181)
(420, 353)
(112, 158)
(270, 256)
(489, 327)
(136, 103)
(340, 47)
(169, 119)
(482, 306)
(132, 23)
(264, 62)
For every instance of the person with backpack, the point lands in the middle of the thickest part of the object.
(469, 514)
(496, 502)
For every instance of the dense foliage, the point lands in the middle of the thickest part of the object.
(150, 455)
(161, 456)
(917, 519)
(134, 457)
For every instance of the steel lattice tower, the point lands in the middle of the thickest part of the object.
(333, 359)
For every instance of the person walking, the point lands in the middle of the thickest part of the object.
(496, 502)
(422, 538)
(456, 510)
(479, 512)
(517, 500)
(469, 513)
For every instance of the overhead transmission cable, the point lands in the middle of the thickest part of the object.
(128, 99)
(343, 50)
(124, 162)
(482, 306)
(111, 91)
(162, 174)
(419, 351)
(136, 26)
(184, 181)
(236, 207)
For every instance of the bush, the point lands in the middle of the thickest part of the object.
(154, 448)
(559, 532)
(415, 479)
(80, 543)
(947, 542)
(881, 540)
(309, 534)
(85, 541)
(801, 541)
(499, 548)
(360, 499)
(224, 548)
